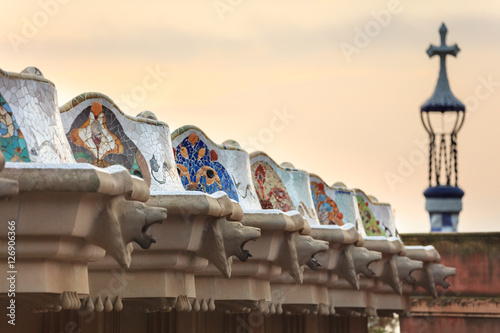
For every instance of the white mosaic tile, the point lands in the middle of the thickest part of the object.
(34, 106)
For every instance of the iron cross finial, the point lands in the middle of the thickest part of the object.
(442, 99)
(443, 50)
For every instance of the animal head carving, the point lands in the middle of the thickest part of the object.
(441, 273)
(406, 266)
(236, 235)
(133, 214)
(224, 239)
(433, 275)
(352, 261)
(300, 251)
(362, 260)
(122, 222)
(307, 247)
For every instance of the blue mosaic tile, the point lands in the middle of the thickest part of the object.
(199, 169)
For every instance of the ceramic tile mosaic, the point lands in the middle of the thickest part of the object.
(31, 103)
(97, 137)
(270, 189)
(376, 217)
(370, 223)
(344, 199)
(100, 134)
(326, 208)
(282, 188)
(12, 142)
(232, 161)
(199, 168)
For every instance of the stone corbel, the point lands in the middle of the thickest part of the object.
(345, 257)
(216, 234)
(225, 238)
(387, 270)
(122, 222)
(66, 216)
(280, 249)
(363, 258)
(406, 267)
(291, 247)
(299, 290)
(390, 272)
(200, 228)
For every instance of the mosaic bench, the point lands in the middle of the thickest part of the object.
(200, 227)
(103, 210)
(286, 188)
(283, 248)
(374, 220)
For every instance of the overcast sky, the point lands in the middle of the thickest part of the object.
(334, 87)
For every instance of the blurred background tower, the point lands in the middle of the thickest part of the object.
(443, 116)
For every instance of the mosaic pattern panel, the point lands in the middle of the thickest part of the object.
(326, 208)
(97, 137)
(199, 169)
(12, 142)
(371, 225)
(270, 189)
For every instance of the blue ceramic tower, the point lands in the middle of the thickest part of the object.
(443, 197)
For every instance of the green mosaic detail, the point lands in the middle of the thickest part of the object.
(370, 223)
(12, 142)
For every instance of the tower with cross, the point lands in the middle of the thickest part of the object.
(443, 116)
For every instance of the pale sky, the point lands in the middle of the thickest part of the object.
(350, 75)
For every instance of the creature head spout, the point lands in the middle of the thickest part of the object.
(236, 235)
(122, 222)
(144, 216)
(363, 258)
(224, 239)
(307, 247)
(301, 251)
(406, 266)
(441, 273)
